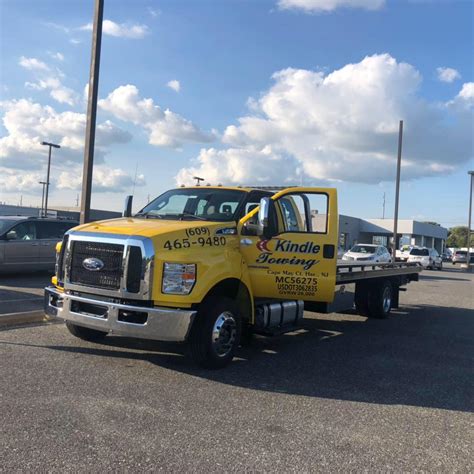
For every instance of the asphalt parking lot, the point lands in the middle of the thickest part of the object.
(22, 292)
(344, 393)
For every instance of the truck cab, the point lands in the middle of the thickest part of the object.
(207, 266)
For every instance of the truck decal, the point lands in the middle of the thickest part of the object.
(199, 242)
(284, 245)
(307, 263)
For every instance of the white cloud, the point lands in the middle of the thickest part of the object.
(174, 84)
(341, 126)
(23, 159)
(75, 41)
(58, 56)
(316, 6)
(154, 12)
(121, 30)
(47, 79)
(33, 64)
(59, 92)
(14, 182)
(105, 179)
(165, 128)
(467, 92)
(28, 123)
(447, 74)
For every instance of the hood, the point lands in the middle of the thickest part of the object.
(146, 227)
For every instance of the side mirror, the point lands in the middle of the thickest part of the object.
(127, 212)
(12, 235)
(262, 226)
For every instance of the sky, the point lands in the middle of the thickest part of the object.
(243, 92)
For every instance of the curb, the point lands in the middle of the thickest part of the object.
(12, 319)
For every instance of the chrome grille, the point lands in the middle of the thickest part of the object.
(109, 277)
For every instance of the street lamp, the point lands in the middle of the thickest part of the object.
(51, 145)
(468, 243)
(42, 198)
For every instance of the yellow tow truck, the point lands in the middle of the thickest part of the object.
(211, 265)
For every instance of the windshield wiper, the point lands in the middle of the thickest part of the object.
(193, 216)
(148, 216)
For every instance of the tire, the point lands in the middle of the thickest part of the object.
(85, 333)
(216, 332)
(361, 299)
(380, 299)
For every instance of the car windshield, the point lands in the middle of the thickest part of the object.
(199, 204)
(420, 252)
(364, 249)
(5, 224)
(461, 253)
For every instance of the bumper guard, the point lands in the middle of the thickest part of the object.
(160, 324)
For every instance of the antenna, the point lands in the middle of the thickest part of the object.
(383, 207)
(198, 180)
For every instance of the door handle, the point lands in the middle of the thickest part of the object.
(246, 242)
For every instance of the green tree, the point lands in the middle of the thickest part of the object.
(457, 237)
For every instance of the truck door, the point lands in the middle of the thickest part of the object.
(298, 259)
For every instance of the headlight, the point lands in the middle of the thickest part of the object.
(178, 278)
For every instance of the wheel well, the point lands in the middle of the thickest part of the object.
(238, 291)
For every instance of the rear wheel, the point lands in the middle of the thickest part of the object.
(380, 299)
(215, 334)
(85, 333)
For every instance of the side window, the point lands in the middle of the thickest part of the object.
(52, 230)
(25, 231)
(304, 212)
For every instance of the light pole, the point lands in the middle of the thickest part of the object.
(91, 112)
(468, 243)
(397, 190)
(51, 145)
(42, 198)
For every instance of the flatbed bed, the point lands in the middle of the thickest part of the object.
(353, 272)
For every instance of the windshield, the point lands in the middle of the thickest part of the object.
(421, 252)
(462, 253)
(201, 204)
(5, 224)
(363, 249)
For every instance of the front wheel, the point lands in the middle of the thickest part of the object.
(215, 334)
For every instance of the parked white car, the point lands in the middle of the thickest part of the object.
(428, 258)
(403, 254)
(368, 253)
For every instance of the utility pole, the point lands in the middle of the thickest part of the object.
(42, 198)
(91, 112)
(397, 190)
(383, 207)
(51, 145)
(468, 243)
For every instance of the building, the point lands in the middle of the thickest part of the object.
(353, 230)
(63, 212)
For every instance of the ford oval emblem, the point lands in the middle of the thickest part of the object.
(93, 264)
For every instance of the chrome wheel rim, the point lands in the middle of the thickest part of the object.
(387, 299)
(224, 333)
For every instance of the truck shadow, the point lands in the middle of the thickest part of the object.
(421, 356)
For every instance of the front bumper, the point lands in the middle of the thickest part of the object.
(160, 324)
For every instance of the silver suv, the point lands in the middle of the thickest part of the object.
(28, 243)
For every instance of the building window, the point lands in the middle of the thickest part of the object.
(379, 240)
